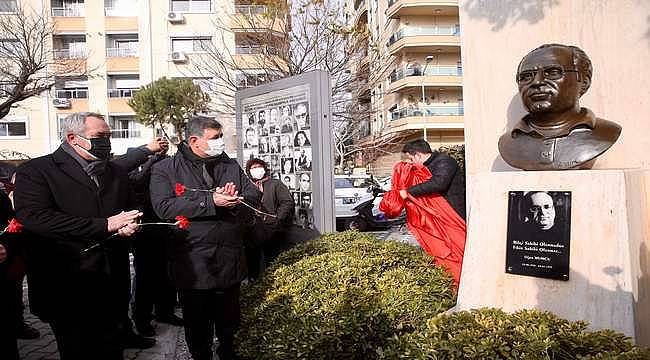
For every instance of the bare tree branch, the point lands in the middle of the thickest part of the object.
(27, 62)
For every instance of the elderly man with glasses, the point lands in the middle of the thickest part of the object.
(557, 133)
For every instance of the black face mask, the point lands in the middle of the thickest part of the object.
(99, 147)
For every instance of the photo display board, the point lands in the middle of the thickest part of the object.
(286, 123)
(539, 228)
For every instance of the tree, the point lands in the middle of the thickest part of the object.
(28, 66)
(168, 101)
(305, 36)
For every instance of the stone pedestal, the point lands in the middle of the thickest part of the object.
(609, 282)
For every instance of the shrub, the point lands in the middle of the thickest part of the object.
(340, 297)
(350, 296)
(494, 334)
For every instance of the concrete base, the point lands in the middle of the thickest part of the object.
(609, 282)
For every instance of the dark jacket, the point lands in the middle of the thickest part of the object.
(446, 179)
(65, 212)
(277, 200)
(210, 253)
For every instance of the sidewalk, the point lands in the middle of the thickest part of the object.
(170, 340)
(170, 344)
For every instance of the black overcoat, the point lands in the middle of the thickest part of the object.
(64, 212)
(447, 179)
(210, 253)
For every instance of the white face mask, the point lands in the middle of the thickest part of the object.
(257, 173)
(215, 147)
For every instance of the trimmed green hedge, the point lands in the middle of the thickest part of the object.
(340, 297)
(494, 334)
(350, 296)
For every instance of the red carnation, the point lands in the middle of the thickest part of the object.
(182, 222)
(14, 226)
(180, 189)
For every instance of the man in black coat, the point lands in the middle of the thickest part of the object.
(70, 200)
(208, 261)
(8, 301)
(446, 177)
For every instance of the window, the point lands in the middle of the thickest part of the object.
(191, 5)
(13, 127)
(9, 47)
(8, 6)
(196, 44)
(204, 83)
(68, 7)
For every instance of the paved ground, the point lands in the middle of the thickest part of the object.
(170, 340)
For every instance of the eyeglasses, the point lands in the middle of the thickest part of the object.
(553, 72)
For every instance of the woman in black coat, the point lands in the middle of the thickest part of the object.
(265, 239)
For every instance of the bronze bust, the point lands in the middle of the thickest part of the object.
(557, 134)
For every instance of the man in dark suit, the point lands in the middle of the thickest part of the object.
(447, 179)
(208, 259)
(70, 200)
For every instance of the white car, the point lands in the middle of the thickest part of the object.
(349, 192)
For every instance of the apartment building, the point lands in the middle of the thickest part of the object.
(414, 46)
(124, 44)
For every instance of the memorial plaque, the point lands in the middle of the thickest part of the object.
(539, 228)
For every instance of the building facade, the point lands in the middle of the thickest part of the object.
(412, 47)
(124, 44)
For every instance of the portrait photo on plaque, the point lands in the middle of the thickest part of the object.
(539, 228)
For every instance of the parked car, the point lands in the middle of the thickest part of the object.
(349, 192)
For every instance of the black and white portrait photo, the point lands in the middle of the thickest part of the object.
(539, 227)
(274, 145)
(301, 139)
(304, 181)
(302, 157)
(250, 138)
(286, 120)
(301, 116)
(287, 166)
(251, 120)
(274, 163)
(289, 180)
(305, 200)
(261, 119)
(263, 145)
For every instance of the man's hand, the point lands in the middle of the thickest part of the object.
(403, 194)
(228, 189)
(129, 229)
(116, 222)
(158, 145)
(223, 200)
(3, 254)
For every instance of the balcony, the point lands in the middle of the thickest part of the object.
(121, 52)
(438, 76)
(250, 10)
(126, 133)
(255, 49)
(431, 117)
(122, 60)
(256, 17)
(444, 37)
(64, 54)
(71, 94)
(76, 11)
(75, 100)
(121, 93)
(399, 8)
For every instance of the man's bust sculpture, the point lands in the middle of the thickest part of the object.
(557, 133)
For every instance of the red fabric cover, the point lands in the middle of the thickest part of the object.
(434, 223)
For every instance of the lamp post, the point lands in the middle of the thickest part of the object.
(424, 71)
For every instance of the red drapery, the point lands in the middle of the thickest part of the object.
(434, 223)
